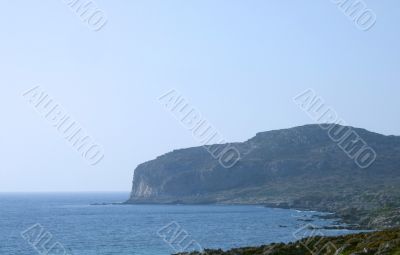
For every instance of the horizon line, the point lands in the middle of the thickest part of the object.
(84, 191)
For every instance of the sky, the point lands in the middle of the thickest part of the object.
(240, 63)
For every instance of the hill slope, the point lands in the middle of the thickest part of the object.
(376, 243)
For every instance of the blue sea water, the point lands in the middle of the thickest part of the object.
(84, 229)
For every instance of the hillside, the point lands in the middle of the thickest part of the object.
(376, 243)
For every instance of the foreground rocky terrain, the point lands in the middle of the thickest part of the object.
(385, 242)
(301, 167)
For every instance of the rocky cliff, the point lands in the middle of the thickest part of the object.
(331, 168)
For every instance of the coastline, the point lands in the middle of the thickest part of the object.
(351, 217)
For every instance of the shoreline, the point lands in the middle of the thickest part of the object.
(347, 218)
(340, 222)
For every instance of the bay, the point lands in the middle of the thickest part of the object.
(86, 229)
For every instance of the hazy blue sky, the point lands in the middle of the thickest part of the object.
(238, 62)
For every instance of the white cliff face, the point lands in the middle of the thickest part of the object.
(142, 189)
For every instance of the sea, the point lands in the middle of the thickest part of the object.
(89, 224)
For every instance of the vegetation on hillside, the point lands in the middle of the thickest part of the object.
(385, 242)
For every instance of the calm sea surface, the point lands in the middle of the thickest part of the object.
(83, 229)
